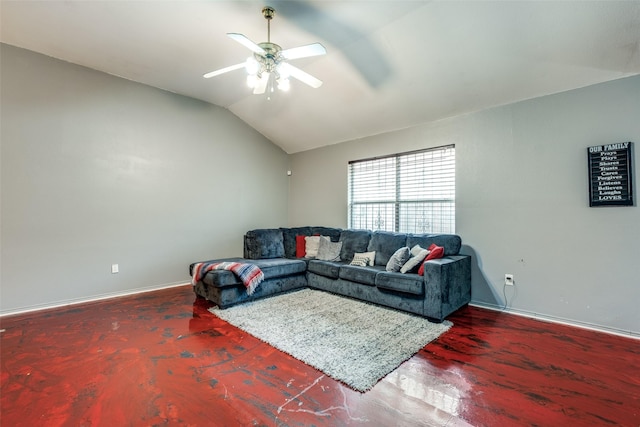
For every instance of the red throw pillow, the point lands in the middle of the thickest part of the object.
(300, 247)
(435, 252)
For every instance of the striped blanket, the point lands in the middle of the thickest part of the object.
(249, 274)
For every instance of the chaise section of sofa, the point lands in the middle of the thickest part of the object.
(444, 287)
(225, 289)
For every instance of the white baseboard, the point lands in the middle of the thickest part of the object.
(560, 320)
(74, 301)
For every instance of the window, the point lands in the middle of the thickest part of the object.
(407, 192)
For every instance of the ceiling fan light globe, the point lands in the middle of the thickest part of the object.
(284, 84)
(252, 66)
(252, 80)
(283, 70)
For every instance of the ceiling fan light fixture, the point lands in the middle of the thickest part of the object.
(252, 80)
(252, 66)
(261, 83)
(283, 70)
(284, 84)
(268, 66)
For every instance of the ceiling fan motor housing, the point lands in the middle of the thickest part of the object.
(271, 58)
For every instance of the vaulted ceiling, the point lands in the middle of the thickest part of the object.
(390, 64)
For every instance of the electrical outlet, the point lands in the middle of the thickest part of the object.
(114, 269)
(508, 280)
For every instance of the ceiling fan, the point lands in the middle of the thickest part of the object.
(268, 66)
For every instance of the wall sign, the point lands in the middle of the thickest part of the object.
(611, 174)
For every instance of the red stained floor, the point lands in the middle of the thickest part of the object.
(161, 358)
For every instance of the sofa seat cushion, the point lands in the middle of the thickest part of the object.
(364, 275)
(408, 283)
(279, 267)
(325, 268)
(271, 268)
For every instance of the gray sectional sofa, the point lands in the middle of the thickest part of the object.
(444, 287)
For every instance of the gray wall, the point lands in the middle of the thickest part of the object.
(522, 201)
(99, 170)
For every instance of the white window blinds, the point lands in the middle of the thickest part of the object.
(408, 192)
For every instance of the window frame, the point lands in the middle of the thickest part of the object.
(440, 169)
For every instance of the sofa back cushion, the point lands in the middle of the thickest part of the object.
(332, 233)
(450, 242)
(385, 244)
(289, 239)
(289, 236)
(353, 241)
(264, 243)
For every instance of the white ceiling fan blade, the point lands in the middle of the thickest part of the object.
(297, 73)
(223, 70)
(244, 41)
(261, 85)
(313, 49)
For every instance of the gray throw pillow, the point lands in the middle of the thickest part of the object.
(328, 250)
(398, 259)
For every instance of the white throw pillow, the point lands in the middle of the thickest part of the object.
(311, 246)
(414, 261)
(416, 250)
(364, 258)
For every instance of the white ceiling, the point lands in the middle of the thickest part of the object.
(390, 64)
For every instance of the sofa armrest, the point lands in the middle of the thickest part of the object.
(447, 285)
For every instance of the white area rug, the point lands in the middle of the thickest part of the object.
(349, 340)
